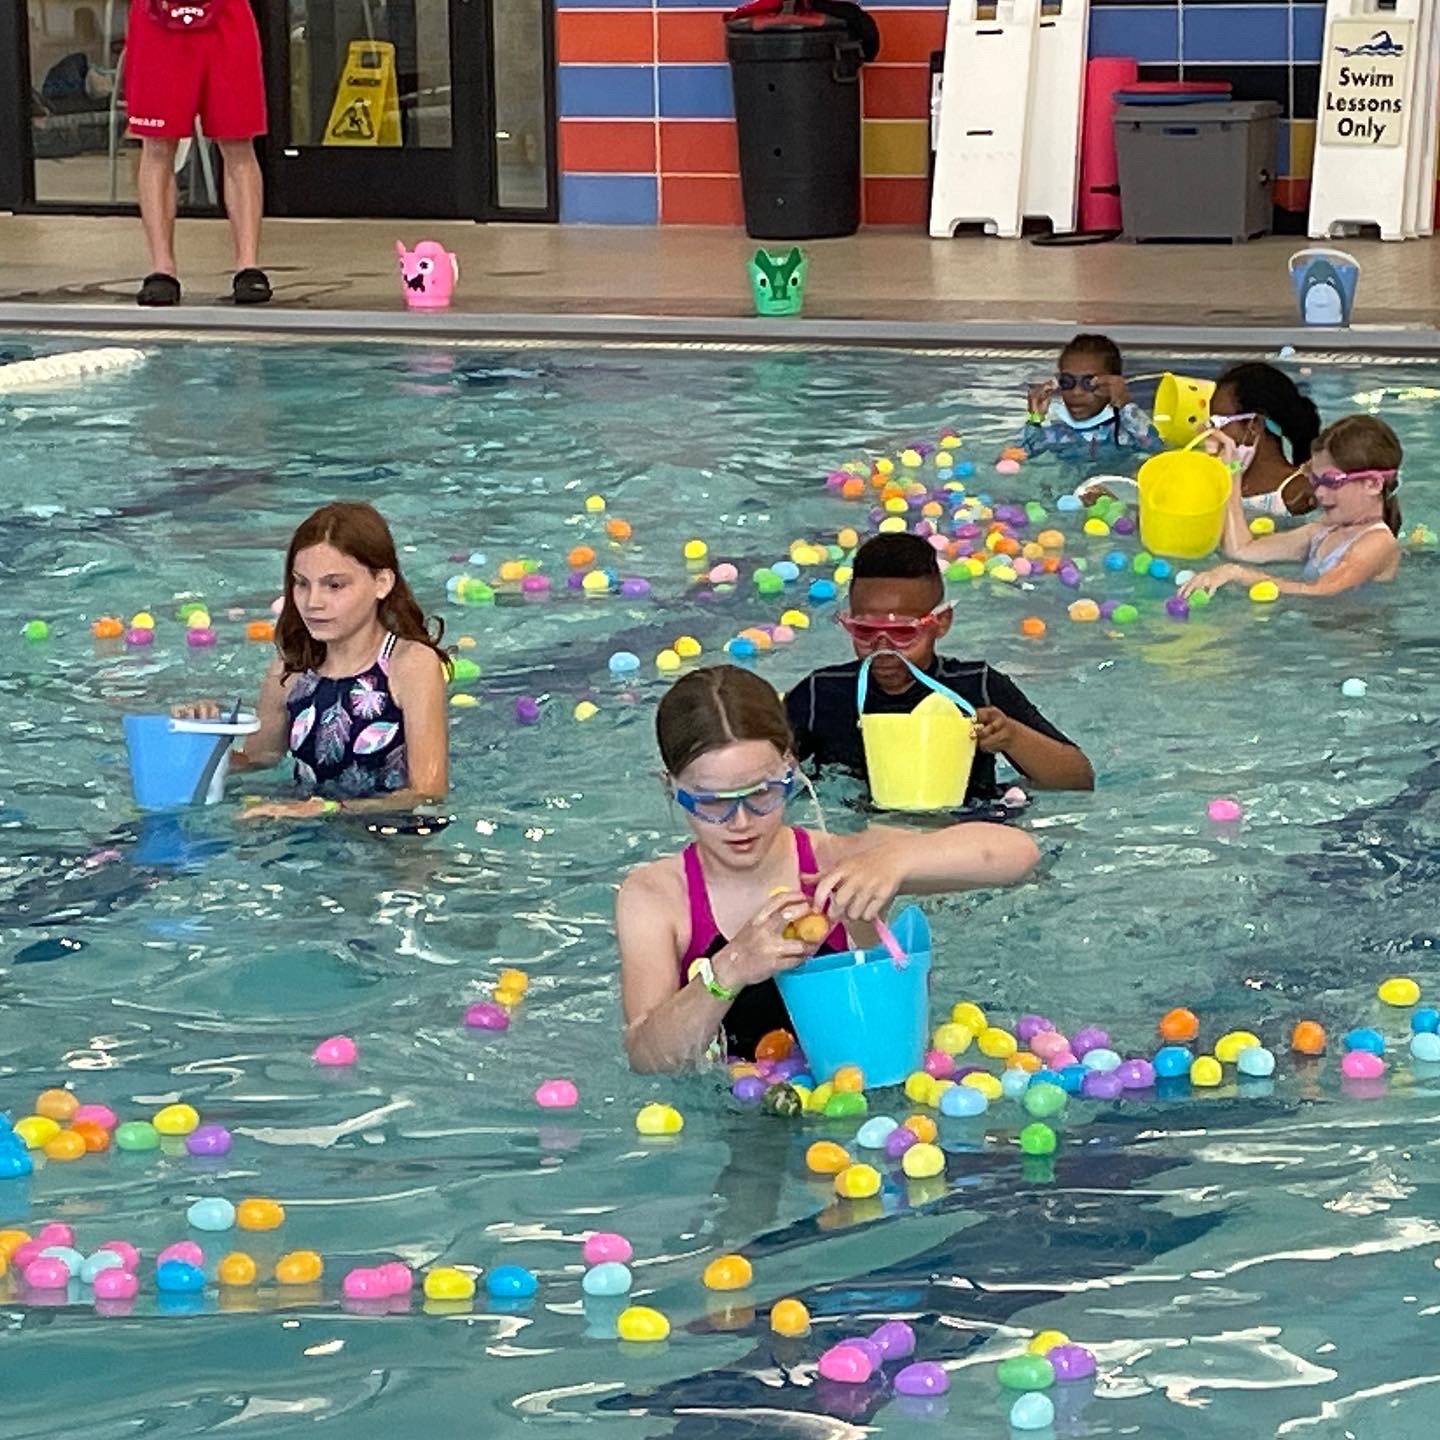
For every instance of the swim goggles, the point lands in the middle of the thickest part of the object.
(1334, 479)
(720, 807)
(1219, 422)
(898, 632)
(1067, 380)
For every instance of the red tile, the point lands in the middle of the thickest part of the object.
(1292, 192)
(909, 34)
(695, 37)
(895, 92)
(604, 37)
(698, 147)
(890, 201)
(700, 200)
(626, 146)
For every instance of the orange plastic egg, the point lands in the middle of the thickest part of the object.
(12, 1240)
(774, 1045)
(67, 1145)
(95, 1135)
(236, 1268)
(579, 557)
(789, 1317)
(825, 1157)
(260, 630)
(922, 1127)
(1308, 1038)
(849, 1077)
(812, 929)
(618, 529)
(56, 1104)
(1033, 626)
(727, 1272)
(107, 627)
(1178, 1026)
(299, 1267)
(259, 1214)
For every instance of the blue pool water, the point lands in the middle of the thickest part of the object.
(1256, 1260)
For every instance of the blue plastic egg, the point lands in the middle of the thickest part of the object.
(822, 590)
(965, 469)
(511, 1282)
(1426, 1046)
(1069, 504)
(1102, 1058)
(1014, 1083)
(15, 1161)
(179, 1277)
(873, 1134)
(1033, 1411)
(213, 1213)
(1425, 1020)
(742, 647)
(608, 1278)
(1171, 1061)
(1072, 1077)
(622, 662)
(1047, 1077)
(1116, 560)
(1255, 1060)
(963, 1100)
(787, 570)
(1160, 569)
(1364, 1038)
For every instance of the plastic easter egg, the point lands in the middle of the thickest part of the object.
(445, 1282)
(1362, 1065)
(178, 1278)
(1354, 689)
(557, 1095)
(963, 1101)
(657, 1119)
(364, 1283)
(606, 1246)
(998, 1044)
(337, 1050)
(1026, 1372)
(127, 1252)
(819, 1097)
(208, 1140)
(184, 1250)
(1135, 1074)
(237, 1269)
(1425, 1020)
(1101, 1084)
(727, 1272)
(486, 1015)
(1425, 1046)
(59, 1105)
(845, 1105)
(825, 1157)
(1043, 1341)
(687, 647)
(1043, 1100)
(1399, 990)
(1014, 1082)
(1256, 1061)
(1262, 592)
(970, 1015)
(116, 1285)
(924, 1377)
(1223, 810)
(1070, 1362)
(893, 1340)
(985, 1083)
(511, 1282)
(1034, 1411)
(857, 1182)
(899, 1140)
(1091, 1037)
(848, 1077)
(642, 1325)
(609, 1278)
(1364, 1038)
(846, 1364)
(93, 1264)
(46, 1272)
(1205, 1071)
(922, 1161)
(1172, 1060)
(1179, 1026)
(258, 1213)
(101, 1115)
(1037, 1138)
(789, 1318)
(920, 1087)
(67, 1145)
(214, 1213)
(873, 1134)
(299, 1267)
(37, 1131)
(175, 1119)
(586, 710)
(1229, 1045)
(1102, 1058)
(73, 1260)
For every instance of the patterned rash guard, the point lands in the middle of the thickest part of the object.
(347, 734)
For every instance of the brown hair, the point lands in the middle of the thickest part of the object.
(1365, 442)
(359, 531)
(717, 706)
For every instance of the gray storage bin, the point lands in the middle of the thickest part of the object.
(1196, 172)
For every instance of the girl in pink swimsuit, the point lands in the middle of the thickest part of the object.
(702, 932)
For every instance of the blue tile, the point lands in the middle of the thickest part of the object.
(609, 199)
(608, 90)
(1309, 33)
(696, 92)
(1258, 33)
(602, 4)
(1149, 33)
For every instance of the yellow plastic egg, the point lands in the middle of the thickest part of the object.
(1083, 611)
(1262, 592)
(985, 1083)
(37, 1131)
(998, 1044)
(950, 442)
(667, 660)
(858, 1182)
(657, 1119)
(820, 1096)
(11, 1241)
(1229, 1045)
(1398, 990)
(1205, 1071)
(970, 1015)
(460, 700)
(1262, 525)
(640, 1324)
(445, 1282)
(727, 1272)
(892, 524)
(912, 458)
(299, 1267)
(1051, 540)
(825, 1157)
(57, 1104)
(789, 1317)
(197, 620)
(594, 504)
(67, 1145)
(848, 1077)
(841, 574)
(512, 569)
(1046, 1340)
(687, 647)
(176, 1119)
(847, 538)
(922, 1161)
(504, 995)
(884, 467)
(258, 1213)
(586, 710)
(952, 1038)
(796, 619)
(142, 620)
(804, 1092)
(595, 581)
(920, 1087)
(696, 549)
(1096, 526)
(922, 1127)
(236, 1268)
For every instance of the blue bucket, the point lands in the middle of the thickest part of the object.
(181, 762)
(860, 1008)
(1324, 282)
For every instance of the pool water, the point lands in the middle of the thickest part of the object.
(1256, 1260)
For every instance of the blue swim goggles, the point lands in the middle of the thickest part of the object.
(720, 807)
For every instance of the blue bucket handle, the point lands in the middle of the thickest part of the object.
(862, 686)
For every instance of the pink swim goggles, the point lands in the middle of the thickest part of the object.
(1334, 479)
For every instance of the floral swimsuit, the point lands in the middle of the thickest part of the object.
(347, 734)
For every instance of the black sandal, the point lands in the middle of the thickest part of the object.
(251, 287)
(159, 289)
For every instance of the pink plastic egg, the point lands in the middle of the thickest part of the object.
(116, 1285)
(101, 1115)
(484, 1015)
(847, 1364)
(1223, 810)
(186, 1250)
(939, 1064)
(337, 1050)
(1361, 1065)
(200, 638)
(47, 1272)
(397, 1277)
(557, 1094)
(129, 1255)
(136, 635)
(364, 1284)
(604, 1246)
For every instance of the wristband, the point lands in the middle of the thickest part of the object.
(704, 967)
(1034, 418)
(329, 807)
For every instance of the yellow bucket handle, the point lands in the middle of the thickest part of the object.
(862, 686)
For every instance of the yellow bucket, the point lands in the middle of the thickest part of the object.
(1183, 494)
(1182, 407)
(919, 761)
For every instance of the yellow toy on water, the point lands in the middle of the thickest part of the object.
(639, 1323)
(858, 1182)
(820, 1097)
(952, 1038)
(1262, 592)
(1205, 1071)
(1045, 1341)
(969, 1014)
(445, 1282)
(920, 1087)
(825, 1157)
(789, 1318)
(1229, 1046)
(923, 1160)
(1399, 990)
(696, 549)
(985, 1083)
(667, 660)
(996, 1043)
(657, 1119)
(594, 504)
(176, 1119)
(586, 710)
(727, 1272)
(687, 647)
(848, 1077)
(37, 1131)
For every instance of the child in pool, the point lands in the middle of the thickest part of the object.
(897, 612)
(701, 933)
(356, 695)
(1273, 427)
(1087, 408)
(1354, 473)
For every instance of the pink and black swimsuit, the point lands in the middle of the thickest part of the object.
(757, 1009)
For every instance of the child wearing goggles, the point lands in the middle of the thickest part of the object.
(1273, 427)
(1354, 473)
(897, 613)
(702, 933)
(1087, 406)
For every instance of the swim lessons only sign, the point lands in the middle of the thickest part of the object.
(1366, 93)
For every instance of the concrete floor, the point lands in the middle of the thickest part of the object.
(902, 279)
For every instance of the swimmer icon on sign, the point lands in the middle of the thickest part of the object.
(367, 102)
(1368, 84)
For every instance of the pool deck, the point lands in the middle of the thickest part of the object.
(689, 285)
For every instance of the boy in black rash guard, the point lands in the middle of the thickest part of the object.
(897, 608)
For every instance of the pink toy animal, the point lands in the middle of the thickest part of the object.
(429, 273)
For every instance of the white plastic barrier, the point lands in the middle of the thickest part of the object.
(67, 365)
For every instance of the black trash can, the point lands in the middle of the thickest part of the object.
(797, 113)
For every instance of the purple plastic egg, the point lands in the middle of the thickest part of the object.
(894, 1339)
(1122, 525)
(139, 635)
(784, 1069)
(535, 584)
(208, 1140)
(968, 531)
(575, 580)
(1177, 607)
(1136, 1074)
(200, 638)
(485, 1015)
(1101, 1084)
(1071, 1362)
(1069, 575)
(1089, 1037)
(748, 1088)
(527, 709)
(1108, 608)
(925, 1377)
(634, 586)
(899, 1140)
(1027, 1027)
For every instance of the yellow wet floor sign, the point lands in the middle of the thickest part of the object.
(367, 102)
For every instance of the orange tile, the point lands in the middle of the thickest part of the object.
(895, 202)
(626, 146)
(610, 37)
(909, 35)
(700, 200)
(698, 147)
(895, 92)
(1292, 192)
(694, 37)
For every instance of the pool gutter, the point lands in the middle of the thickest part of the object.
(454, 326)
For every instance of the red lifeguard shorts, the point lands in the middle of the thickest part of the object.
(174, 76)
